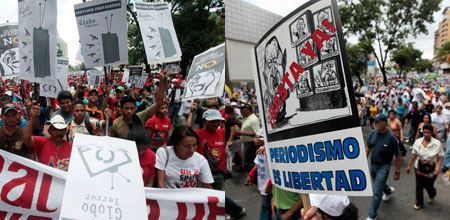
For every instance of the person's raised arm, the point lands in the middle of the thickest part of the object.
(194, 107)
(106, 99)
(27, 138)
(159, 99)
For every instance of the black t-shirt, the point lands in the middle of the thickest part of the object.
(229, 123)
(416, 117)
(13, 143)
(382, 146)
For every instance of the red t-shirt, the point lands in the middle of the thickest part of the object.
(162, 125)
(147, 161)
(216, 144)
(112, 100)
(50, 155)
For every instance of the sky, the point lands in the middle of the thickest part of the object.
(67, 26)
(422, 42)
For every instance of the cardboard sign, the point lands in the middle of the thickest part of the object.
(37, 40)
(137, 76)
(104, 180)
(102, 26)
(158, 33)
(94, 77)
(206, 77)
(62, 72)
(9, 51)
(44, 188)
(308, 109)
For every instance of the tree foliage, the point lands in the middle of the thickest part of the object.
(406, 57)
(357, 58)
(443, 52)
(424, 65)
(199, 24)
(386, 24)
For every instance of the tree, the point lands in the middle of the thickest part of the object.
(357, 58)
(406, 57)
(200, 25)
(443, 52)
(386, 24)
(423, 65)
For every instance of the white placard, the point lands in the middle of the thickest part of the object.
(9, 50)
(37, 40)
(62, 73)
(94, 77)
(101, 170)
(158, 33)
(102, 26)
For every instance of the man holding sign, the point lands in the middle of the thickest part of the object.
(383, 145)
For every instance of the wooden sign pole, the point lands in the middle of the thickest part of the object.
(306, 202)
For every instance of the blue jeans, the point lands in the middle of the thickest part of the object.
(266, 209)
(380, 174)
(294, 216)
(447, 153)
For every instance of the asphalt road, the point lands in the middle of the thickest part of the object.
(400, 207)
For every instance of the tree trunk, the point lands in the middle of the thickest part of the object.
(383, 71)
(361, 83)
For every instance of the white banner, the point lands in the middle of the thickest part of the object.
(307, 105)
(206, 77)
(62, 72)
(126, 75)
(113, 162)
(9, 51)
(31, 190)
(102, 26)
(158, 33)
(37, 40)
(94, 77)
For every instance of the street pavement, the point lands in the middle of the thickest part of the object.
(400, 207)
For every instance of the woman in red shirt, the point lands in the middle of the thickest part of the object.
(147, 158)
(158, 127)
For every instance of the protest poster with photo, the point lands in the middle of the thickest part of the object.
(62, 72)
(137, 76)
(9, 50)
(158, 33)
(307, 105)
(104, 180)
(94, 77)
(102, 26)
(37, 40)
(206, 78)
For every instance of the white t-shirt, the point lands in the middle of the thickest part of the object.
(439, 121)
(263, 172)
(183, 173)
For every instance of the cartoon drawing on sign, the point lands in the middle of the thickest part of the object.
(203, 83)
(329, 49)
(299, 30)
(326, 77)
(9, 61)
(41, 44)
(305, 60)
(274, 68)
(303, 87)
(110, 44)
(322, 15)
(101, 160)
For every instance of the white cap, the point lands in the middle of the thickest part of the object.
(58, 122)
(332, 205)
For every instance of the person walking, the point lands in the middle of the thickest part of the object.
(383, 145)
(426, 151)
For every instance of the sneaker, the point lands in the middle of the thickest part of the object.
(369, 218)
(417, 207)
(386, 197)
(430, 200)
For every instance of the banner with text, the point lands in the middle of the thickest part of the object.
(309, 115)
(102, 26)
(158, 33)
(31, 190)
(37, 40)
(9, 51)
(62, 72)
(206, 78)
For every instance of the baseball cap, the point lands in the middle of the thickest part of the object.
(9, 106)
(332, 205)
(120, 88)
(179, 81)
(58, 122)
(234, 104)
(246, 105)
(212, 115)
(415, 103)
(92, 91)
(380, 117)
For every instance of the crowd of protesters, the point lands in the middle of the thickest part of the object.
(180, 143)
